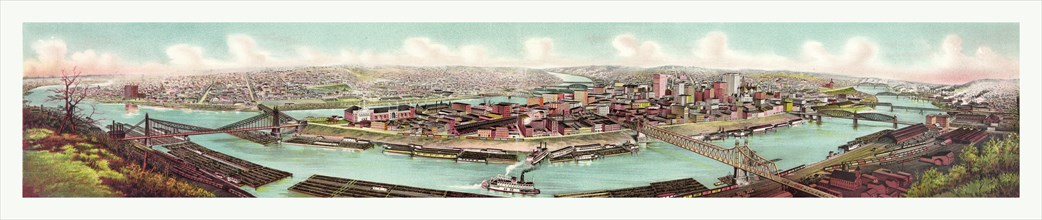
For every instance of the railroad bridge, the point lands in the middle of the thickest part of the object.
(870, 116)
(922, 110)
(739, 157)
(152, 131)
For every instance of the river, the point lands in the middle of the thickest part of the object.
(657, 162)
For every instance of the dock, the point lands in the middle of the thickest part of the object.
(590, 152)
(665, 189)
(459, 155)
(229, 168)
(327, 187)
(345, 144)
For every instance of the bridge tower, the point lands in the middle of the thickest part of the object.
(855, 118)
(275, 130)
(742, 177)
(148, 130)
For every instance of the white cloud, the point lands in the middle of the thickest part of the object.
(185, 55)
(539, 49)
(858, 56)
(638, 53)
(245, 50)
(52, 58)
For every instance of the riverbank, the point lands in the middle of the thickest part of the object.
(526, 145)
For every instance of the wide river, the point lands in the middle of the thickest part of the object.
(659, 161)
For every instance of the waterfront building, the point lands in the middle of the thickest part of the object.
(393, 113)
(357, 114)
(131, 92)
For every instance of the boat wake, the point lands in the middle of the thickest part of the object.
(512, 167)
(474, 186)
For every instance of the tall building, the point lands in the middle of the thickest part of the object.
(733, 81)
(660, 82)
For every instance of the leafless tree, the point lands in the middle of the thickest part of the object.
(71, 93)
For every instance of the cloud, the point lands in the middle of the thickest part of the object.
(714, 50)
(52, 58)
(858, 56)
(185, 55)
(245, 50)
(638, 53)
(539, 49)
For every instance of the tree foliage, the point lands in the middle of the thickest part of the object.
(66, 165)
(989, 171)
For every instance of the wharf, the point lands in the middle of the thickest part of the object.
(327, 186)
(231, 169)
(319, 141)
(671, 188)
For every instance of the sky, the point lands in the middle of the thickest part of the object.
(927, 52)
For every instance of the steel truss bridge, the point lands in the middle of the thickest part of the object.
(871, 116)
(151, 131)
(892, 107)
(740, 157)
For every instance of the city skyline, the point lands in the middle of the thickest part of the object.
(947, 53)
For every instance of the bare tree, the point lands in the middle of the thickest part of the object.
(71, 93)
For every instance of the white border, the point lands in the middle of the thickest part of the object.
(13, 14)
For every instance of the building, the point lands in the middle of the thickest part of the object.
(829, 85)
(393, 113)
(502, 108)
(846, 180)
(131, 92)
(551, 97)
(718, 91)
(661, 81)
(535, 100)
(459, 106)
(581, 96)
(357, 114)
(907, 133)
(937, 121)
(733, 81)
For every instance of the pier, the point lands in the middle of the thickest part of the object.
(672, 188)
(328, 186)
(231, 169)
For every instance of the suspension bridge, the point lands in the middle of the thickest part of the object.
(264, 128)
